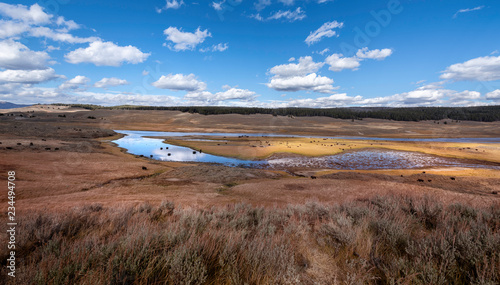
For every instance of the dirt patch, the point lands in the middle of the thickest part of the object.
(294, 187)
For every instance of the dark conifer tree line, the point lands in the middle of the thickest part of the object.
(480, 113)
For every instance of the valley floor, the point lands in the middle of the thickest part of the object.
(66, 164)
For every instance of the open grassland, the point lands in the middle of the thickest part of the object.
(257, 123)
(390, 239)
(66, 159)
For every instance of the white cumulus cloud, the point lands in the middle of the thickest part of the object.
(67, 25)
(424, 94)
(305, 66)
(171, 4)
(185, 40)
(208, 98)
(378, 54)
(107, 82)
(10, 28)
(300, 76)
(339, 63)
(75, 83)
(180, 82)
(335, 100)
(36, 23)
(493, 95)
(47, 95)
(465, 95)
(14, 55)
(485, 68)
(34, 14)
(28, 76)
(428, 95)
(106, 53)
(306, 82)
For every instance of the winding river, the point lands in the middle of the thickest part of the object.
(141, 143)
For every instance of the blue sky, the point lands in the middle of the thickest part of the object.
(266, 53)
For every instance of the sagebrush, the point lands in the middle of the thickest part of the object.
(381, 240)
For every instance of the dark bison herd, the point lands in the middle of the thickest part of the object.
(429, 180)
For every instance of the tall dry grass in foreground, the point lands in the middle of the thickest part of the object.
(383, 240)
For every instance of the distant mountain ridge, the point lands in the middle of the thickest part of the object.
(8, 105)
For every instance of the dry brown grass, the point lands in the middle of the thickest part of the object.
(388, 239)
(45, 109)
